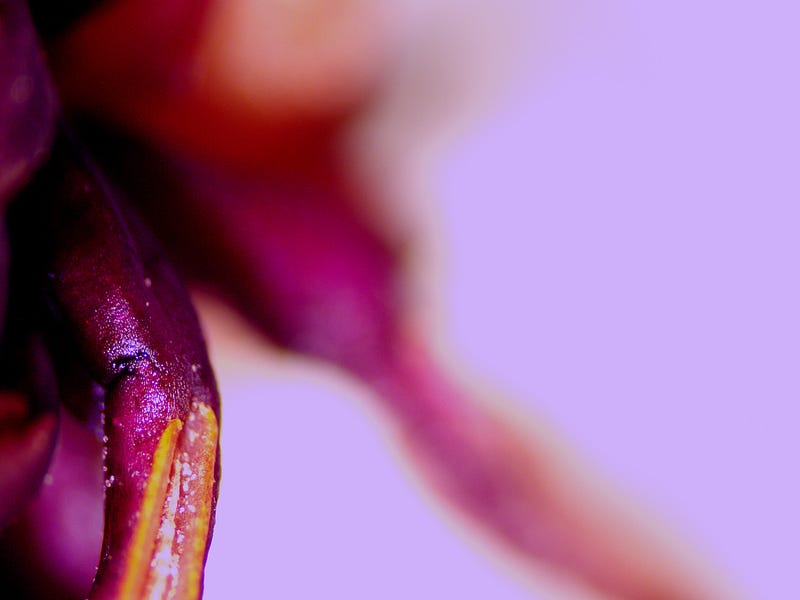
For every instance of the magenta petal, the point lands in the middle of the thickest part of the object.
(27, 100)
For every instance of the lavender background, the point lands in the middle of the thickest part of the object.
(621, 249)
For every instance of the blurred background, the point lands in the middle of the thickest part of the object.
(607, 200)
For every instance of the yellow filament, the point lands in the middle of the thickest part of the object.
(140, 550)
(166, 554)
(200, 439)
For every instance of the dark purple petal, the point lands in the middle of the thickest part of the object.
(136, 332)
(52, 549)
(27, 100)
(28, 419)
